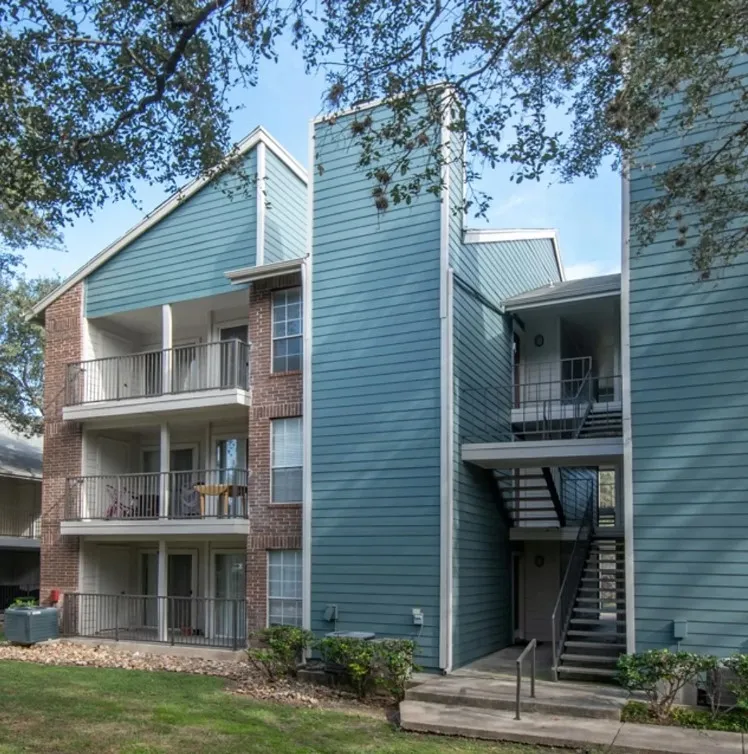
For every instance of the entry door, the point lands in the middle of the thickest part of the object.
(180, 580)
(233, 368)
(229, 585)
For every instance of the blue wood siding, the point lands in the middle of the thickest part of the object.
(689, 353)
(482, 345)
(376, 403)
(285, 211)
(185, 255)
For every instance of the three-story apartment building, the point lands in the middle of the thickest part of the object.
(280, 404)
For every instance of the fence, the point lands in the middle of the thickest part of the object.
(185, 369)
(183, 621)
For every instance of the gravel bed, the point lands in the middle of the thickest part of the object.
(242, 677)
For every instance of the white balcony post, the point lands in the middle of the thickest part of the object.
(164, 486)
(167, 343)
(163, 590)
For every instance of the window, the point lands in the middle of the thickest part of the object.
(284, 588)
(286, 461)
(287, 330)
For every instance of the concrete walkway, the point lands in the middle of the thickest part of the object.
(574, 732)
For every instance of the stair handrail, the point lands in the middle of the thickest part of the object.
(582, 405)
(531, 647)
(562, 610)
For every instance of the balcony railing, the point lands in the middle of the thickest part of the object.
(207, 493)
(19, 523)
(186, 369)
(190, 621)
(564, 399)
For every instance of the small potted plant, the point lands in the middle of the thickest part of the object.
(28, 623)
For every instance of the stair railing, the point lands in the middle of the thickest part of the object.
(583, 402)
(562, 610)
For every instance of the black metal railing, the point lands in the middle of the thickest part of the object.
(16, 522)
(201, 493)
(11, 592)
(564, 399)
(183, 621)
(185, 369)
(562, 610)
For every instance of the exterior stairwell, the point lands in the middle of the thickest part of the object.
(602, 421)
(595, 635)
(531, 499)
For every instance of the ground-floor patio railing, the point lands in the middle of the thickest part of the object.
(184, 621)
(11, 592)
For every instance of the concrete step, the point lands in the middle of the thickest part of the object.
(499, 694)
(598, 635)
(589, 672)
(596, 621)
(581, 601)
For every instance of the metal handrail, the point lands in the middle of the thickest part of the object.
(566, 593)
(531, 647)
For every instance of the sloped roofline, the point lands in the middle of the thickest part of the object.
(257, 136)
(519, 234)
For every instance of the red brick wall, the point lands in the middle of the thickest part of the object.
(272, 527)
(62, 442)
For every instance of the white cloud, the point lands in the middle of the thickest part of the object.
(588, 270)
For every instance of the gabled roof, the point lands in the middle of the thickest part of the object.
(567, 290)
(165, 208)
(519, 234)
(20, 457)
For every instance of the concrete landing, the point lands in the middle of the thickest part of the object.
(471, 688)
(572, 732)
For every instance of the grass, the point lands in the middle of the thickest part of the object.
(65, 710)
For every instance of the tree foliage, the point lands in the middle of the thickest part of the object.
(96, 95)
(22, 353)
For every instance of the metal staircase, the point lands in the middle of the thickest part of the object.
(595, 636)
(531, 499)
(601, 421)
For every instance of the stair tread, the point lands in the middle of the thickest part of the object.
(588, 671)
(602, 621)
(597, 644)
(602, 659)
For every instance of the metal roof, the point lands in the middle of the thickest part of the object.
(603, 285)
(20, 456)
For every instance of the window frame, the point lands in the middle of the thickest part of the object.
(268, 597)
(274, 338)
(272, 465)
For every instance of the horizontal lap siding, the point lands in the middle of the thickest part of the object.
(482, 344)
(689, 352)
(186, 254)
(285, 212)
(376, 404)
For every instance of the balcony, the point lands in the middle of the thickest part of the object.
(559, 413)
(201, 376)
(19, 529)
(205, 502)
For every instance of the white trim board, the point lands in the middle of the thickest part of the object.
(206, 527)
(518, 234)
(258, 136)
(276, 269)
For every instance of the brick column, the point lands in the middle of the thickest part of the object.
(62, 443)
(274, 396)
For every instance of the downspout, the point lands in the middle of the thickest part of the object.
(628, 471)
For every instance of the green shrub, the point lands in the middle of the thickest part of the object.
(686, 717)
(661, 674)
(355, 657)
(280, 651)
(738, 664)
(387, 664)
(396, 665)
(24, 602)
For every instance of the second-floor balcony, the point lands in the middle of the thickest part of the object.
(21, 525)
(207, 501)
(200, 375)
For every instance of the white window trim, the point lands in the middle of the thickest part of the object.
(272, 432)
(300, 600)
(273, 339)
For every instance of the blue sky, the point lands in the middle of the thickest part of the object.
(586, 212)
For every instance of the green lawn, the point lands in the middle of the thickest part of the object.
(50, 709)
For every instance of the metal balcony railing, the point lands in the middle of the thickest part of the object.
(190, 621)
(206, 493)
(564, 399)
(186, 369)
(19, 523)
